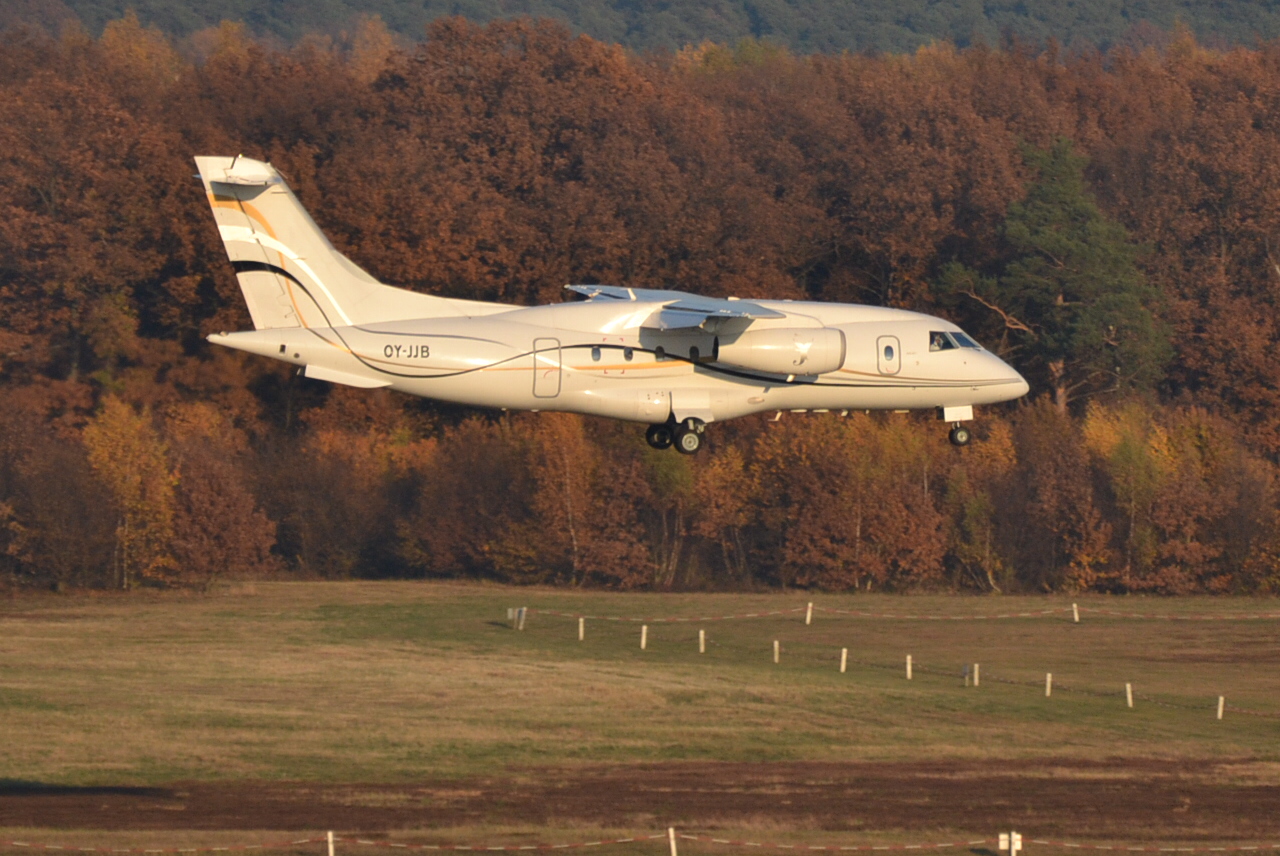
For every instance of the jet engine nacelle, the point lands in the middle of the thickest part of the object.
(785, 350)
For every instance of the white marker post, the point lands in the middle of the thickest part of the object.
(908, 667)
(1075, 613)
(582, 629)
(1048, 684)
(808, 615)
(511, 613)
(330, 836)
(524, 610)
(975, 674)
(702, 641)
(644, 636)
(1128, 694)
(844, 659)
(1011, 841)
(1222, 704)
(775, 650)
(671, 839)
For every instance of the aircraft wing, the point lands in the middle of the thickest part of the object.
(681, 310)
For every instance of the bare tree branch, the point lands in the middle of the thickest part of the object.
(1009, 321)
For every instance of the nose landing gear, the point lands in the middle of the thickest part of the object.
(686, 436)
(959, 436)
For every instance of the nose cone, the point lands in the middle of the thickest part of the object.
(1017, 385)
(1002, 381)
(1023, 387)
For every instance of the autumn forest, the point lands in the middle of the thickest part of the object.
(1105, 222)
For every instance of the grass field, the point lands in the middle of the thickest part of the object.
(397, 682)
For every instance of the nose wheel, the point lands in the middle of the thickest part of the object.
(959, 436)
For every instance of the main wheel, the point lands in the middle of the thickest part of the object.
(659, 436)
(960, 436)
(688, 441)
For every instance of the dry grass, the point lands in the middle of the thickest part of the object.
(394, 681)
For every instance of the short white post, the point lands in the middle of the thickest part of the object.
(775, 650)
(644, 636)
(524, 611)
(1128, 694)
(1011, 841)
(844, 659)
(702, 641)
(1075, 613)
(1222, 703)
(1048, 684)
(330, 836)
(511, 613)
(967, 670)
(975, 674)
(908, 667)
(808, 615)
(582, 628)
(671, 839)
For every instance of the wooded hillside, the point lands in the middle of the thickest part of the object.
(804, 26)
(1107, 222)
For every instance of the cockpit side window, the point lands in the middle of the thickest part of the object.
(940, 341)
(965, 342)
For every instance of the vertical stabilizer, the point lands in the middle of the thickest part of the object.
(290, 274)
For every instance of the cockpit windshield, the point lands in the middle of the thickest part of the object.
(940, 341)
(946, 340)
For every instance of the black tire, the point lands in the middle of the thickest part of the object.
(960, 436)
(688, 442)
(659, 436)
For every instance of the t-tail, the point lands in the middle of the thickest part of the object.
(290, 274)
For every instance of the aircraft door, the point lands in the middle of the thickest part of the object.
(888, 355)
(546, 368)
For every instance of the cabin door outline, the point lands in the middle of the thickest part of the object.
(546, 368)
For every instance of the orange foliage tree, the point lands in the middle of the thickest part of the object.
(500, 162)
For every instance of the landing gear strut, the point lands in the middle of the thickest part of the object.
(959, 436)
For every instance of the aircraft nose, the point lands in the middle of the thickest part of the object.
(1023, 387)
(1011, 382)
(1019, 386)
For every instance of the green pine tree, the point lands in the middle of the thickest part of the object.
(1068, 291)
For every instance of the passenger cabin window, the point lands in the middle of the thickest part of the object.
(595, 354)
(940, 341)
(627, 354)
(888, 353)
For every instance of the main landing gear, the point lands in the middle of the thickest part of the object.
(959, 436)
(686, 435)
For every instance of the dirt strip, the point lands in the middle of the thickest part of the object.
(1114, 799)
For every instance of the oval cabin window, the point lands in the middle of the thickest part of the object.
(888, 352)
(595, 354)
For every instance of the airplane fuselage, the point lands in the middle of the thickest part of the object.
(595, 357)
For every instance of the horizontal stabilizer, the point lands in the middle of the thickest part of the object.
(359, 381)
(243, 171)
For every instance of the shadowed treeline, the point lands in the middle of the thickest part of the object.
(1107, 223)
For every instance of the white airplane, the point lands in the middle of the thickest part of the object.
(672, 360)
